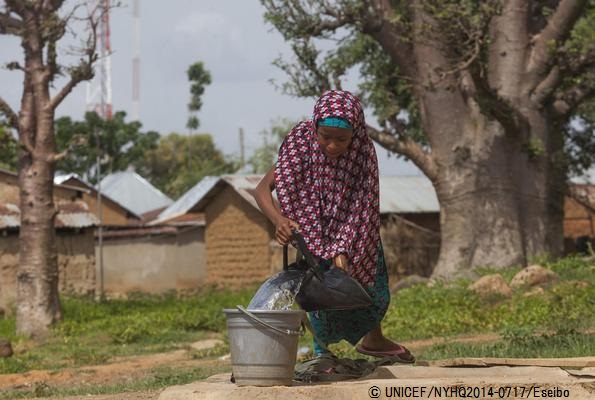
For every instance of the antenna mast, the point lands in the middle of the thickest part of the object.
(99, 90)
(135, 114)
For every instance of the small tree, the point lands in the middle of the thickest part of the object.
(266, 155)
(8, 148)
(199, 77)
(40, 24)
(122, 144)
(179, 162)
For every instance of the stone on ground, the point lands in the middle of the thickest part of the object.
(533, 275)
(490, 285)
(5, 348)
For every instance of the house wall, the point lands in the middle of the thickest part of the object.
(76, 263)
(153, 264)
(112, 213)
(578, 220)
(409, 249)
(9, 190)
(237, 241)
(429, 220)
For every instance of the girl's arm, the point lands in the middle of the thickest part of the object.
(264, 199)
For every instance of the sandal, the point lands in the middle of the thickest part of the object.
(401, 354)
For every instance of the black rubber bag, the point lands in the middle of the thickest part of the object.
(333, 289)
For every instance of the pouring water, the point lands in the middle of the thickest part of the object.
(278, 292)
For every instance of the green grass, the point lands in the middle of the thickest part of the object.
(442, 311)
(524, 346)
(93, 332)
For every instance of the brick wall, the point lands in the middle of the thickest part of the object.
(237, 241)
(76, 263)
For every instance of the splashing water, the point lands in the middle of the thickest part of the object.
(278, 292)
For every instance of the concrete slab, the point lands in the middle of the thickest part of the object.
(573, 362)
(501, 382)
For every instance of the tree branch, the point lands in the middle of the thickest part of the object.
(77, 141)
(557, 30)
(25, 142)
(9, 113)
(507, 49)
(547, 86)
(408, 147)
(10, 25)
(390, 36)
(83, 71)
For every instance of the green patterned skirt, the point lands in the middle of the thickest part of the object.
(333, 326)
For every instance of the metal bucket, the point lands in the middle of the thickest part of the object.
(263, 345)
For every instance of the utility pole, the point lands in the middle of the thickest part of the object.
(242, 159)
(100, 217)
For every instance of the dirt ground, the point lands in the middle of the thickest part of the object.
(137, 367)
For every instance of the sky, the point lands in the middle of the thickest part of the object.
(236, 46)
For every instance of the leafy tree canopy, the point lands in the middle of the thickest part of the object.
(264, 156)
(120, 144)
(333, 39)
(8, 148)
(178, 162)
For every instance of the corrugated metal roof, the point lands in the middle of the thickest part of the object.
(398, 194)
(407, 194)
(133, 192)
(188, 200)
(10, 216)
(70, 215)
(60, 179)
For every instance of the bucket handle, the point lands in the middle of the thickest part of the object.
(256, 319)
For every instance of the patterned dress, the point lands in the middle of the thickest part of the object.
(336, 204)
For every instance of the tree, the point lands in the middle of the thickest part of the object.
(40, 25)
(120, 144)
(266, 155)
(179, 162)
(480, 95)
(199, 78)
(8, 148)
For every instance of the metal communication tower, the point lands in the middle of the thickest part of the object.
(135, 114)
(99, 89)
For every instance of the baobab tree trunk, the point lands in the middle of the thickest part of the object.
(37, 281)
(501, 205)
(38, 304)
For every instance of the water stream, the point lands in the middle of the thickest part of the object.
(278, 292)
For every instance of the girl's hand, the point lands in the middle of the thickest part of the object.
(283, 230)
(341, 261)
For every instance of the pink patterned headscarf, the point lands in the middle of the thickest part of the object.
(335, 202)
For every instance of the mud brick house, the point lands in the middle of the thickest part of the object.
(74, 239)
(132, 256)
(154, 258)
(239, 240)
(579, 219)
(112, 212)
